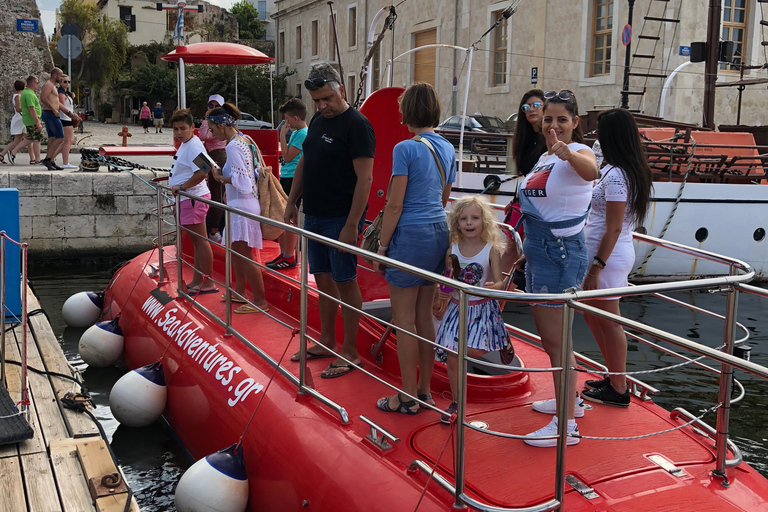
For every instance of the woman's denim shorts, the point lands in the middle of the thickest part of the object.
(555, 264)
(424, 246)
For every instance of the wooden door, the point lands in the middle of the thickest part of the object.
(425, 60)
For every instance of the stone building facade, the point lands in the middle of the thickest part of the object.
(572, 44)
(23, 54)
(146, 24)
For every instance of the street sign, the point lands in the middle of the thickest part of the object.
(685, 51)
(534, 75)
(26, 25)
(69, 47)
(69, 29)
(626, 35)
(86, 90)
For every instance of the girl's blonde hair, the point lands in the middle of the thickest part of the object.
(491, 232)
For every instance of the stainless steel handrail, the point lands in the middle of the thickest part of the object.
(570, 301)
(737, 459)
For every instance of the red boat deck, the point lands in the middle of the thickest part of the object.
(500, 472)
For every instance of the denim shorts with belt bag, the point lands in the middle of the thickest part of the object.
(553, 263)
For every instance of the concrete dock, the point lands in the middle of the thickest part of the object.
(53, 470)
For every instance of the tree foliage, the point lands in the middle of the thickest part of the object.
(105, 43)
(153, 83)
(253, 87)
(250, 25)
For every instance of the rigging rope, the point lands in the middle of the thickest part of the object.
(389, 24)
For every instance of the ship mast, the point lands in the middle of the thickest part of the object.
(711, 62)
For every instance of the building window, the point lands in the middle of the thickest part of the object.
(314, 38)
(351, 92)
(262, 7)
(126, 16)
(602, 28)
(281, 48)
(499, 50)
(352, 27)
(376, 70)
(331, 38)
(734, 29)
(424, 61)
(298, 90)
(298, 42)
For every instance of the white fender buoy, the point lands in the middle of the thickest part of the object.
(216, 483)
(102, 344)
(83, 309)
(138, 398)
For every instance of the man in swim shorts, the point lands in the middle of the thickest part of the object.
(49, 97)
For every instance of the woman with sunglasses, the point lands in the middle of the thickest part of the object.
(527, 146)
(619, 202)
(239, 178)
(66, 100)
(555, 198)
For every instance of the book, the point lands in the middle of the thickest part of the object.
(204, 162)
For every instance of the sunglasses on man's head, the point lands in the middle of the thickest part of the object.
(536, 106)
(313, 84)
(564, 95)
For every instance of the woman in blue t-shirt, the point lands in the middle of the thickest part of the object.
(414, 231)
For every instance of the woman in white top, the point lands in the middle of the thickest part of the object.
(65, 98)
(239, 177)
(17, 125)
(554, 200)
(619, 202)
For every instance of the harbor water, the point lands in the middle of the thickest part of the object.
(153, 461)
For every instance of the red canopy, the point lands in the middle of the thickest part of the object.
(218, 53)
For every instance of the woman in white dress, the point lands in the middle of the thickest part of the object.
(239, 177)
(619, 202)
(17, 125)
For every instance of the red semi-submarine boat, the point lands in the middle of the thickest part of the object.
(326, 447)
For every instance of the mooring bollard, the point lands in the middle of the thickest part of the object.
(125, 135)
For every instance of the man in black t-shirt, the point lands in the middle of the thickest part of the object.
(334, 177)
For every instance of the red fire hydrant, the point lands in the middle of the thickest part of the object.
(125, 135)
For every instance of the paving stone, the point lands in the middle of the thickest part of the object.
(117, 183)
(106, 204)
(35, 206)
(31, 183)
(71, 184)
(121, 225)
(70, 226)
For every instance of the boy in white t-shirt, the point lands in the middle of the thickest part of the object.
(187, 177)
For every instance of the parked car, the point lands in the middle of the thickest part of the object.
(474, 124)
(250, 123)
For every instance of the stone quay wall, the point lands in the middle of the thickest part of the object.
(65, 215)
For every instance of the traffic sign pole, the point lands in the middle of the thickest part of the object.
(627, 49)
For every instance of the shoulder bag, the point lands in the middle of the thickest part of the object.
(272, 198)
(372, 234)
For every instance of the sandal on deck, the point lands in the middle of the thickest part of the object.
(348, 368)
(247, 308)
(427, 399)
(234, 298)
(403, 407)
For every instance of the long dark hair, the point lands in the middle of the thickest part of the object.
(525, 134)
(621, 146)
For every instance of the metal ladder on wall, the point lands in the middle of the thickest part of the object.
(647, 51)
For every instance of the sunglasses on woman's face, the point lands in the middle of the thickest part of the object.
(212, 105)
(535, 106)
(564, 95)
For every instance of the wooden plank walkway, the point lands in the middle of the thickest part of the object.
(50, 472)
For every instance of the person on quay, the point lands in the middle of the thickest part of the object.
(66, 98)
(216, 150)
(555, 199)
(187, 177)
(414, 231)
(294, 113)
(333, 178)
(17, 124)
(146, 117)
(619, 203)
(239, 178)
(528, 145)
(477, 242)
(30, 115)
(52, 109)
(157, 114)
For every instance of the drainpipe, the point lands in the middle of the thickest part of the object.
(454, 88)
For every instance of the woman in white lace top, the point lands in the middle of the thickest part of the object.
(239, 177)
(619, 202)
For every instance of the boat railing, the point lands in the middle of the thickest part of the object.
(738, 275)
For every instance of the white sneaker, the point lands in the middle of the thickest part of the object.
(215, 237)
(68, 166)
(551, 430)
(550, 407)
